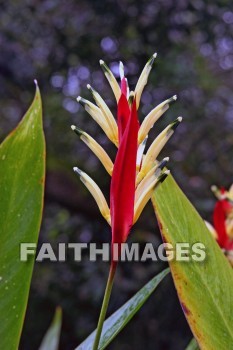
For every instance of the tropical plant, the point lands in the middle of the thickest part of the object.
(205, 289)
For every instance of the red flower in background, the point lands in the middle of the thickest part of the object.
(223, 218)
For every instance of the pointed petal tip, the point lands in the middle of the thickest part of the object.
(132, 94)
(131, 97)
(77, 170)
(163, 176)
(163, 163)
(172, 99)
(214, 188)
(35, 82)
(78, 131)
(121, 70)
(216, 191)
(81, 101)
(101, 62)
(176, 123)
(91, 89)
(153, 57)
(145, 140)
(151, 60)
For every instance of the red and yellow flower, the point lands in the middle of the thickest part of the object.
(134, 174)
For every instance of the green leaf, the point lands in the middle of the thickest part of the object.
(51, 338)
(22, 173)
(205, 289)
(192, 345)
(117, 321)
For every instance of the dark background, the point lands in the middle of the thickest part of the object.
(60, 44)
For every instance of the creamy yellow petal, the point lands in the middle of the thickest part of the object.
(211, 229)
(111, 79)
(140, 152)
(150, 176)
(96, 193)
(152, 117)
(230, 193)
(217, 192)
(110, 120)
(142, 81)
(96, 148)
(146, 195)
(96, 113)
(155, 149)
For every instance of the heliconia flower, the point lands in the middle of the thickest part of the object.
(135, 174)
(222, 228)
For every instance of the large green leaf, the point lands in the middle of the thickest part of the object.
(52, 336)
(117, 321)
(22, 174)
(205, 289)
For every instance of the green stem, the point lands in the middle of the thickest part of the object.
(105, 303)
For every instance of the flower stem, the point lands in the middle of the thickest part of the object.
(105, 303)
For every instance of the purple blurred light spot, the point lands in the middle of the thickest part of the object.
(132, 67)
(108, 44)
(83, 73)
(196, 182)
(57, 81)
(114, 66)
(206, 49)
(229, 115)
(228, 17)
(72, 87)
(85, 236)
(227, 62)
(224, 46)
(70, 105)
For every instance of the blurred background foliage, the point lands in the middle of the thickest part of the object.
(60, 44)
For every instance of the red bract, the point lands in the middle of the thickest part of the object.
(124, 173)
(124, 86)
(222, 210)
(123, 114)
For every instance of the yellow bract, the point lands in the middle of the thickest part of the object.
(96, 149)
(96, 193)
